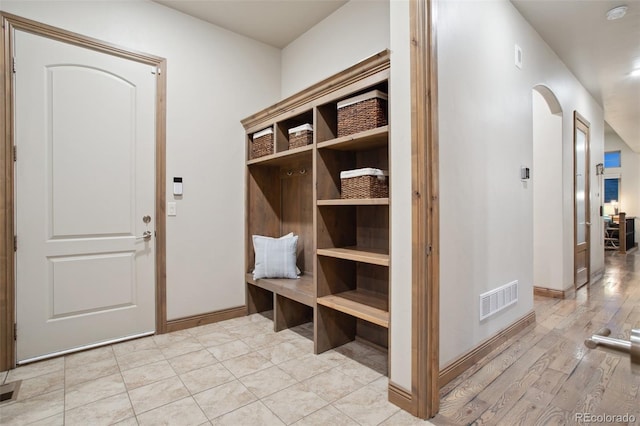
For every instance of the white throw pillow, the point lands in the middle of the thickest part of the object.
(275, 257)
(289, 235)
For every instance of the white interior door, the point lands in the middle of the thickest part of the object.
(85, 178)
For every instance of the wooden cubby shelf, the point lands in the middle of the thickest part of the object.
(366, 305)
(355, 202)
(371, 256)
(360, 141)
(343, 244)
(284, 157)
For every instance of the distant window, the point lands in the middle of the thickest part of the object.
(611, 159)
(611, 190)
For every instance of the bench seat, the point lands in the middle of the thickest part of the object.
(292, 300)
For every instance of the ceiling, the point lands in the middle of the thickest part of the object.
(274, 22)
(600, 53)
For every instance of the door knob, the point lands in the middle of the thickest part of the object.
(146, 235)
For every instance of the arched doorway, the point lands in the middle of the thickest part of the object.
(547, 193)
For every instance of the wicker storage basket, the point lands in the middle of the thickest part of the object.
(262, 143)
(364, 183)
(363, 112)
(300, 136)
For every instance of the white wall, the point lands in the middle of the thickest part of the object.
(352, 33)
(629, 172)
(547, 196)
(400, 165)
(486, 135)
(215, 78)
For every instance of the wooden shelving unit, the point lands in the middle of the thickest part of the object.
(343, 246)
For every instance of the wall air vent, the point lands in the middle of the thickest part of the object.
(9, 391)
(497, 299)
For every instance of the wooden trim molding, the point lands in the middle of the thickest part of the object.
(161, 185)
(597, 275)
(400, 397)
(425, 305)
(549, 292)
(203, 319)
(10, 23)
(44, 30)
(7, 290)
(456, 367)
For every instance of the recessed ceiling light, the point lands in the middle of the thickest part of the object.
(617, 13)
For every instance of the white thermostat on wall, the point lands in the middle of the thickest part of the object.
(177, 186)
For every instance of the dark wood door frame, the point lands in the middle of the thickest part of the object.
(580, 123)
(10, 23)
(425, 210)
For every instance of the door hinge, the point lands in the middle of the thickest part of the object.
(15, 153)
(15, 243)
(13, 64)
(15, 331)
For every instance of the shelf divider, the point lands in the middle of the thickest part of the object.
(362, 141)
(372, 256)
(355, 202)
(283, 157)
(366, 305)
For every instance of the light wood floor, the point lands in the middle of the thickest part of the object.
(546, 375)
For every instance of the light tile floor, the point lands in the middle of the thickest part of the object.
(236, 372)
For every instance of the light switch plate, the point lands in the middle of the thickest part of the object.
(518, 56)
(172, 209)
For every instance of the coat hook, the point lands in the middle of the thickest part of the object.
(303, 171)
(289, 172)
